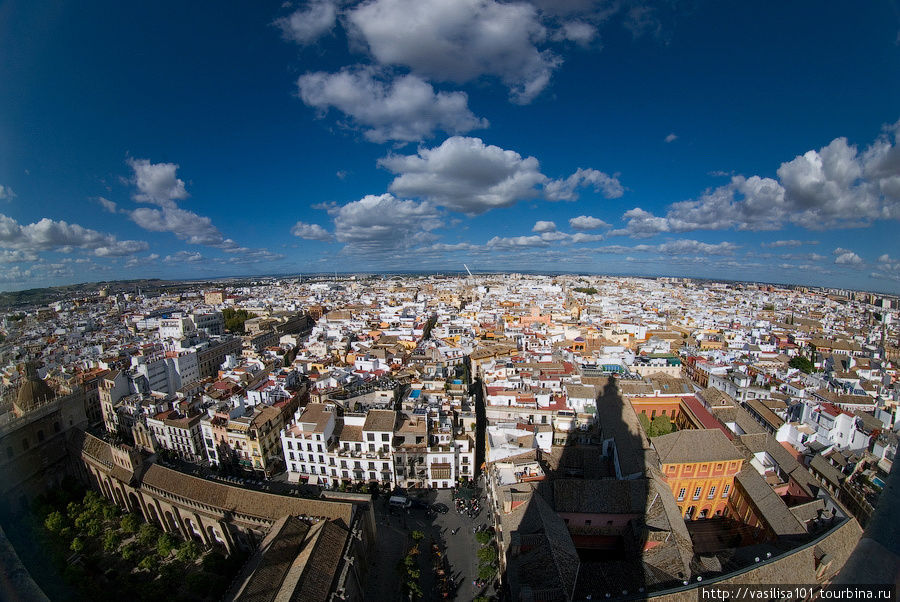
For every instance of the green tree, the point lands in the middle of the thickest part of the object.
(130, 523)
(487, 554)
(148, 562)
(164, 545)
(417, 536)
(235, 318)
(77, 545)
(55, 522)
(189, 550)
(483, 537)
(110, 541)
(148, 534)
(486, 572)
(127, 551)
(645, 423)
(803, 364)
(661, 425)
(414, 590)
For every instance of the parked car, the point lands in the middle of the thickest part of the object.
(442, 508)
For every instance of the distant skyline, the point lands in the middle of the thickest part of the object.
(737, 141)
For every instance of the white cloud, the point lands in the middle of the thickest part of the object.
(564, 190)
(107, 204)
(847, 257)
(464, 174)
(136, 261)
(6, 193)
(781, 243)
(308, 24)
(378, 224)
(184, 257)
(580, 237)
(404, 109)
(51, 235)
(587, 222)
(459, 41)
(156, 182)
(310, 231)
(675, 247)
(578, 31)
(186, 225)
(516, 242)
(833, 187)
(17, 256)
(543, 226)
(671, 137)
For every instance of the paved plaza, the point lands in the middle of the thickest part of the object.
(394, 538)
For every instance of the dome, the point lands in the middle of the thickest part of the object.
(33, 393)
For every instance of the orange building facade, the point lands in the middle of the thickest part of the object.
(702, 489)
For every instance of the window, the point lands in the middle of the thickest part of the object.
(712, 493)
(55, 427)
(291, 455)
(25, 444)
(293, 467)
(681, 493)
(40, 435)
(587, 523)
(697, 493)
(9, 452)
(320, 447)
(371, 447)
(725, 490)
(321, 459)
(370, 436)
(290, 444)
(385, 437)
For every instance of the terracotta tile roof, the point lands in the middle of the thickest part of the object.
(242, 501)
(695, 445)
(380, 420)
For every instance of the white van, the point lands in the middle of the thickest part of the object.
(398, 501)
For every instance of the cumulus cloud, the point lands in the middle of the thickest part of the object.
(156, 182)
(308, 24)
(543, 226)
(671, 137)
(378, 224)
(404, 109)
(516, 242)
(564, 190)
(136, 261)
(846, 257)
(466, 175)
(833, 187)
(184, 257)
(310, 231)
(675, 247)
(17, 256)
(459, 41)
(52, 235)
(586, 222)
(186, 225)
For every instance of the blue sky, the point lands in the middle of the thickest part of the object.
(734, 140)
